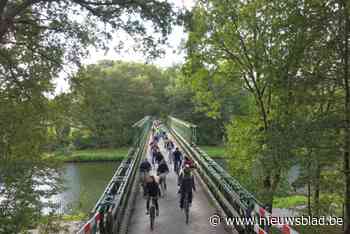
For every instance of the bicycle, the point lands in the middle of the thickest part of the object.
(186, 206)
(152, 212)
(143, 176)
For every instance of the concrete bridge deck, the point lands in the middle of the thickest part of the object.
(171, 218)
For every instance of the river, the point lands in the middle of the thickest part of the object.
(84, 183)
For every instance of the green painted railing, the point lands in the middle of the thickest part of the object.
(108, 213)
(186, 129)
(235, 200)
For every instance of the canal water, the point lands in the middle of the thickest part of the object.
(84, 183)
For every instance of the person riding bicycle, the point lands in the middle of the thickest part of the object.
(186, 186)
(165, 142)
(169, 147)
(188, 161)
(154, 151)
(158, 157)
(145, 168)
(177, 156)
(162, 171)
(164, 135)
(152, 192)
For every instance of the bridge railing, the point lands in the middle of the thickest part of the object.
(186, 129)
(235, 200)
(108, 213)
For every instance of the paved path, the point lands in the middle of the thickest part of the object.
(171, 219)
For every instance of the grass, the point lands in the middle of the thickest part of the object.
(214, 151)
(75, 217)
(91, 155)
(289, 202)
(297, 200)
(117, 154)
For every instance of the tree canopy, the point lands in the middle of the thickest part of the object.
(38, 40)
(289, 60)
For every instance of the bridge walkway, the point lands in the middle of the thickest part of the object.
(171, 218)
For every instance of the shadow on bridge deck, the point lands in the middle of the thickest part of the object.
(171, 219)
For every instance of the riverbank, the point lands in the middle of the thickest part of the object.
(118, 154)
(93, 155)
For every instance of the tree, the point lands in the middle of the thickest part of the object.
(273, 51)
(109, 99)
(37, 40)
(181, 104)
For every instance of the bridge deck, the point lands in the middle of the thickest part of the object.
(171, 219)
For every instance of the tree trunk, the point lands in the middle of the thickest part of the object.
(309, 198)
(317, 190)
(309, 190)
(270, 186)
(347, 119)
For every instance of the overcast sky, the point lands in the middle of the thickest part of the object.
(172, 53)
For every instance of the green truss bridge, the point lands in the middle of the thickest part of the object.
(219, 199)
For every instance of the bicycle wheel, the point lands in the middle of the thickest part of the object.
(152, 215)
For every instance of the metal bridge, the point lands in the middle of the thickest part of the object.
(121, 208)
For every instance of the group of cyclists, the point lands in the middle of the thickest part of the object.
(154, 185)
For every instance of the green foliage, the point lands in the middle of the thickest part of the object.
(181, 105)
(110, 98)
(75, 217)
(52, 223)
(270, 69)
(309, 229)
(243, 137)
(60, 130)
(37, 39)
(23, 184)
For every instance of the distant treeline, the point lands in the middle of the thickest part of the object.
(108, 97)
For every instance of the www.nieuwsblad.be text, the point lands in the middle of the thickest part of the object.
(215, 220)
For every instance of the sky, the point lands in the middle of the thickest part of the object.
(173, 55)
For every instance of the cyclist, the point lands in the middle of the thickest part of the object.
(186, 186)
(188, 161)
(170, 146)
(165, 142)
(162, 172)
(145, 168)
(154, 150)
(158, 157)
(164, 135)
(177, 155)
(152, 192)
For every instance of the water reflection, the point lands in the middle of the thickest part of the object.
(84, 183)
